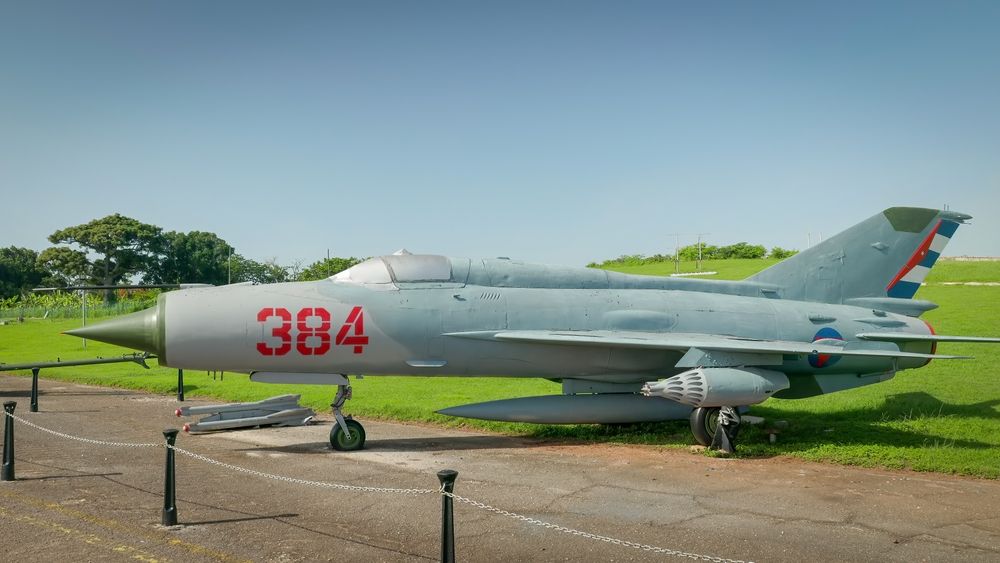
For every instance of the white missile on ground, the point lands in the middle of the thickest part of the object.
(283, 410)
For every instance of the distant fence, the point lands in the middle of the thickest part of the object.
(71, 312)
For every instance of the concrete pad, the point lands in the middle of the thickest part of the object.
(89, 502)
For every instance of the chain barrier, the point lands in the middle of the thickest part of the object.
(339, 486)
(588, 535)
(366, 489)
(84, 440)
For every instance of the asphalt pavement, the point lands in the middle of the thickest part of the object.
(82, 501)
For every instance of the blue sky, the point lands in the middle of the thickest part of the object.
(558, 132)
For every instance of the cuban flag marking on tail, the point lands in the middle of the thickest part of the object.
(915, 271)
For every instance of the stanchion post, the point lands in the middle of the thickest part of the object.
(169, 485)
(34, 389)
(180, 385)
(447, 478)
(7, 472)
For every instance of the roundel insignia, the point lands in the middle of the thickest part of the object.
(824, 360)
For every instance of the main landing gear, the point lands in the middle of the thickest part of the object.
(706, 423)
(347, 434)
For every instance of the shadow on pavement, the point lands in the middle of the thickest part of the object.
(412, 445)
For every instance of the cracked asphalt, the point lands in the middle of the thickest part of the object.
(84, 502)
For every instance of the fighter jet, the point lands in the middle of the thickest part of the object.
(627, 348)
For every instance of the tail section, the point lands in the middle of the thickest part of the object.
(888, 255)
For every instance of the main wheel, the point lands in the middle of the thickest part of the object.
(704, 424)
(340, 442)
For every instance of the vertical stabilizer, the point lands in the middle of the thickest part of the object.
(888, 255)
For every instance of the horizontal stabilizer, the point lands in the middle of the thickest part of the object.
(905, 337)
(908, 307)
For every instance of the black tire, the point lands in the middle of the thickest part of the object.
(340, 442)
(704, 423)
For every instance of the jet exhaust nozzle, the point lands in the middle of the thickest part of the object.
(719, 387)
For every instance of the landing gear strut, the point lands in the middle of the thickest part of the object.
(706, 423)
(347, 434)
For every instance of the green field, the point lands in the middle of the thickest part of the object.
(945, 270)
(735, 269)
(944, 418)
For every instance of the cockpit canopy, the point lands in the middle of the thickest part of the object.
(398, 268)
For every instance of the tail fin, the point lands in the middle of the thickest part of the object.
(888, 255)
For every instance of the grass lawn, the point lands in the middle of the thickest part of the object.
(735, 269)
(944, 418)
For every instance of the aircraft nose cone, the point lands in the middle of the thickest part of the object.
(139, 331)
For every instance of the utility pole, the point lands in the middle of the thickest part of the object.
(677, 248)
(699, 248)
(677, 254)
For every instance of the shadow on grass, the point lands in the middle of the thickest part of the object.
(923, 404)
(806, 429)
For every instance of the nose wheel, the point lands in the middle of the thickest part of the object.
(347, 434)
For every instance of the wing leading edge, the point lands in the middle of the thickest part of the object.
(683, 342)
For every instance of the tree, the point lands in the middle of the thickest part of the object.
(195, 257)
(125, 246)
(247, 270)
(327, 267)
(742, 250)
(782, 253)
(62, 266)
(19, 271)
(691, 252)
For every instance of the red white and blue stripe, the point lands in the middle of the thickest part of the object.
(914, 272)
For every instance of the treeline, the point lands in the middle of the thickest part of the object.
(692, 252)
(118, 249)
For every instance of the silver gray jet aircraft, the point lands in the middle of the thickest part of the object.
(627, 348)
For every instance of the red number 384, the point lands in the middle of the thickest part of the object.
(312, 337)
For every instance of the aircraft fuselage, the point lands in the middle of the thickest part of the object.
(308, 327)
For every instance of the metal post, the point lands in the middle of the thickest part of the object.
(34, 389)
(447, 478)
(180, 385)
(7, 474)
(169, 485)
(83, 306)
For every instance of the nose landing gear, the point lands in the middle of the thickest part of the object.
(347, 434)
